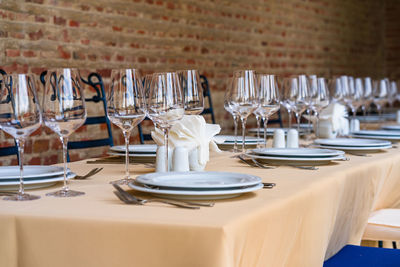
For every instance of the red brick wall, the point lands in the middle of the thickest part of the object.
(324, 37)
(392, 38)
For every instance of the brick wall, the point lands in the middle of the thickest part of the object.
(392, 38)
(325, 37)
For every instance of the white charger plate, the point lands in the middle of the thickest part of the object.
(391, 127)
(136, 149)
(199, 180)
(352, 142)
(196, 194)
(30, 171)
(296, 161)
(133, 155)
(230, 139)
(358, 148)
(271, 131)
(376, 133)
(34, 184)
(297, 152)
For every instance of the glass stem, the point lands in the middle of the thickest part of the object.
(235, 119)
(290, 118)
(258, 130)
(21, 146)
(64, 142)
(265, 119)
(127, 134)
(166, 132)
(244, 119)
(317, 124)
(309, 122)
(298, 117)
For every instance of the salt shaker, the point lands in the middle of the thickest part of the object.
(180, 159)
(160, 159)
(292, 139)
(279, 139)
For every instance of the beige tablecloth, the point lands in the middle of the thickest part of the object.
(309, 216)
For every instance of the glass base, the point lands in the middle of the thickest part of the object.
(65, 193)
(124, 181)
(21, 197)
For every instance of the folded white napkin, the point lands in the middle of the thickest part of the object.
(334, 114)
(387, 217)
(191, 132)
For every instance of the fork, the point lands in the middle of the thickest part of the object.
(289, 165)
(131, 199)
(358, 154)
(255, 163)
(89, 174)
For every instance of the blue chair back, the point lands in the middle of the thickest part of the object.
(8, 150)
(95, 81)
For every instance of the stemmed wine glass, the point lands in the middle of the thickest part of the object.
(336, 90)
(296, 94)
(165, 104)
(192, 91)
(320, 99)
(64, 111)
(380, 92)
(367, 95)
(353, 93)
(20, 116)
(234, 113)
(268, 97)
(242, 97)
(126, 107)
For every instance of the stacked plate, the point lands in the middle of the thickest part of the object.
(393, 136)
(229, 141)
(34, 177)
(197, 185)
(377, 118)
(354, 144)
(391, 127)
(270, 131)
(296, 156)
(137, 151)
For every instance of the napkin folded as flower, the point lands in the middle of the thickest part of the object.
(191, 132)
(334, 115)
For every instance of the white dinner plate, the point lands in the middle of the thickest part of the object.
(352, 142)
(230, 139)
(383, 137)
(30, 171)
(136, 149)
(271, 131)
(377, 133)
(297, 152)
(391, 127)
(296, 161)
(198, 180)
(196, 194)
(358, 148)
(33, 184)
(376, 118)
(135, 155)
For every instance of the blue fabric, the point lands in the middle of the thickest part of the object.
(364, 257)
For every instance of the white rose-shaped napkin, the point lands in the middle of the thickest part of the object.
(191, 132)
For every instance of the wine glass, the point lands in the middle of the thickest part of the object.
(367, 96)
(353, 93)
(392, 96)
(126, 107)
(320, 99)
(380, 92)
(234, 113)
(268, 97)
(165, 104)
(296, 93)
(64, 111)
(20, 116)
(242, 97)
(335, 90)
(258, 114)
(192, 91)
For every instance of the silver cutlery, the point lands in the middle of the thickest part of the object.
(131, 199)
(89, 174)
(7, 193)
(258, 164)
(268, 185)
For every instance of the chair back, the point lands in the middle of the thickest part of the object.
(207, 95)
(7, 150)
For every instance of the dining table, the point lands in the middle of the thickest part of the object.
(305, 219)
